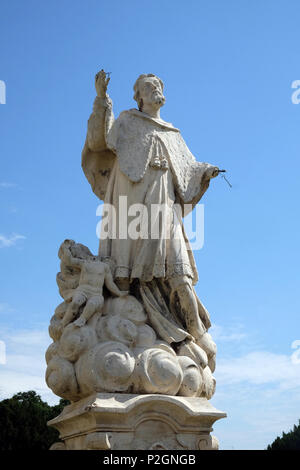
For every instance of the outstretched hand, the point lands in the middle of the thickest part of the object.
(101, 83)
(214, 171)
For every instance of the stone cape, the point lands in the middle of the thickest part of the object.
(135, 133)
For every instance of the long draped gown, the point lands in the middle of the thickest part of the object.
(154, 168)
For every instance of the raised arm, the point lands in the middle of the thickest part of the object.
(102, 117)
(97, 159)
(111, 286)
(66, 256)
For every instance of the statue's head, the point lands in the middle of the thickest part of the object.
(80, 251)
(148, 89)
(65, 246)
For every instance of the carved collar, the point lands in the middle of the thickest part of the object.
(160, 122)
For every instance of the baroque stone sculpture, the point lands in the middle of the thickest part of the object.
(131, 347)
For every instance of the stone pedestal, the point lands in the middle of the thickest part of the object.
(107, 421)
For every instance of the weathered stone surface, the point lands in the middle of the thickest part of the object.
(117, 350)
(124, 421)
(131, 347)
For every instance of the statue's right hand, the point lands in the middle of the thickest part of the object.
(101, 82)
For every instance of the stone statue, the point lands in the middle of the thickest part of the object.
(93, 275)
(151, 336)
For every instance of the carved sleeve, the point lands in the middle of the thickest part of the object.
(99, 124)
(197, 181)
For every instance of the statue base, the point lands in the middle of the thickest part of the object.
(108, 421)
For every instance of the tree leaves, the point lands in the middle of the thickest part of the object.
(23, 422)
(288, 441)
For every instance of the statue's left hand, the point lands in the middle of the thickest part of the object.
(212, 172)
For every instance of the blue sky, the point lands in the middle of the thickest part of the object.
(228, 68)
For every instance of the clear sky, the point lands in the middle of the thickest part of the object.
(228, 68)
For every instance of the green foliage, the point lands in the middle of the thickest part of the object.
(23, 422)
(288, 441)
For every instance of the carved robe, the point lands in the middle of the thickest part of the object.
(153, 167)
(146, 160)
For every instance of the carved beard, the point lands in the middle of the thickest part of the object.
(158, 98)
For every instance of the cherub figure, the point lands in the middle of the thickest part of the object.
(93, 274)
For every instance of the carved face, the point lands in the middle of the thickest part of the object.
(150, 92)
